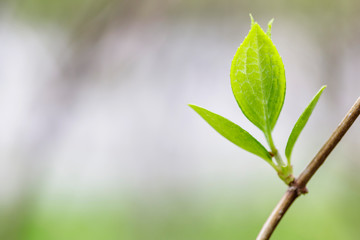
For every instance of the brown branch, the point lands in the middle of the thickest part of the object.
(298, 187)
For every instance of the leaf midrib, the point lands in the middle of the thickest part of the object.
(265, 110)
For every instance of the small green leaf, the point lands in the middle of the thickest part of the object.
(258, 79)
(300, 124)
(252, 19)
(268, 32)
(233, 133)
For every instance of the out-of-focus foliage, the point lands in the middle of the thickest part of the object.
(93, 104)
(226, 216)
(66, 11)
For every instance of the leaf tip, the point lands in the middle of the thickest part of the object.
(252, 19)
(320, 91)
(192, 106)
(271, 22)
(196, 108)
(268, 32)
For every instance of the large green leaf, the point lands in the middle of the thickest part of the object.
(300, 124)
(233, 133)
(258, 79)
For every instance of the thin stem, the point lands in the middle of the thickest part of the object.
(270, 141)
(289, 161)
(284, 170)
(278, 159)
(298, 187)
(274, 151)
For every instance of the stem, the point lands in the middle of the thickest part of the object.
(274, 151)
(278, 158)
(298, 187)
(284, 170)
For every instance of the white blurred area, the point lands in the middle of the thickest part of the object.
(112, 117)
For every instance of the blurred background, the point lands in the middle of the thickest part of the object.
(97, 140)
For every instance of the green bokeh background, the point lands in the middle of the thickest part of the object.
(189, 183)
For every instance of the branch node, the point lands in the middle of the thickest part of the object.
(300, 190)
(303, 190)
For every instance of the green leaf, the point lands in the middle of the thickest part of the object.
(268, 32)
(233, 133)
(300, 124)
(258, 79)
(252, 19)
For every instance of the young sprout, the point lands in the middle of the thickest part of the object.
(258, 83)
